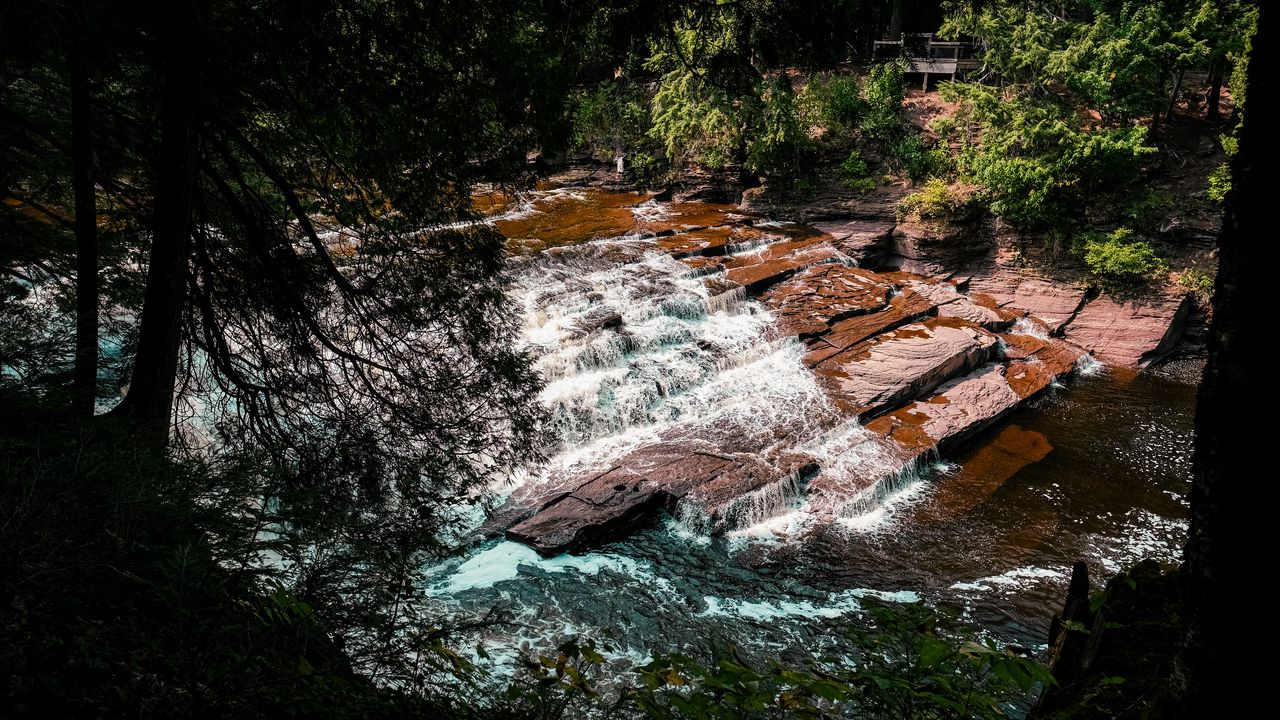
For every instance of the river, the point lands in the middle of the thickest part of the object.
(1095, 469)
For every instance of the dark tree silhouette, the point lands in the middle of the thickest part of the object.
(1230, 500)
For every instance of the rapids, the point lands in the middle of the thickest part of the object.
(1095, 469)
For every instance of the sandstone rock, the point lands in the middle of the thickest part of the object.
(1130, 332)
(935, 247)
(865, 241)
(907, 306)
(959, 409)
(810, 300)
(1051, 301)
(901, 364)
(1037, 362)
(757, 271)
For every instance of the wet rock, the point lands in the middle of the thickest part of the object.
(1130, 332)
(1037, 362)
(956, 411)
(907, 306)
(902, 364)
(1053, 302)
(809, 301)
(779, 261)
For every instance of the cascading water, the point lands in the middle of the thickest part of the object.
(635, 348)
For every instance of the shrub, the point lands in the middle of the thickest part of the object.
(695, 121)
(833, 103)
(883, 93)
(855, 173)
(1119, 259)
(1219, 183)
(779, 145)
(612, 118)
(935, 200)
(1199, 282)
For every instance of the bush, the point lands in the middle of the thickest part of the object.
(935, 200)
(1119, 259)
(855, 173)
(613, 118)
(695, 121)
(779, 145)
(883, 94)
(919, 161)
(833, 103)
(1199, 282)
(1219, 183)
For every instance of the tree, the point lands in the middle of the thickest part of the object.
(1214, 676)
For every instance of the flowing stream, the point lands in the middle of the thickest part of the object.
(988, 528)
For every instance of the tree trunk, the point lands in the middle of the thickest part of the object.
(149, 402)
(1225, 560)
(897, 11)
(84, 377)
(1173, 97)
(1215, 93)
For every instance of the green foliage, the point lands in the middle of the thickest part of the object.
(1037, 164)
(831, 102)
(855, 173)
(779, 146)
(935, 200)
(907, 667)
(1219, 183)
(919, 161)
(883, 92)
(1119, 260)
(611, 119)
(695, 121)
(1199, 282)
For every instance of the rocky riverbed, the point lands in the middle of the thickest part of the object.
(708, 362)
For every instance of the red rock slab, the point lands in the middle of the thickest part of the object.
(602, 505)
(564, 219)
(901, 364)
(1049, 300)
(951, 302)
(807, 302)
(1037, 362)
(859, 239)
(983, 471)
(776, 262)
(1130, 332)
(907, 306)
(712, 241)
(753, 491)
(956, 411)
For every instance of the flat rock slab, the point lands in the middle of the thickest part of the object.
(979, 309)
(861, 240)
(807, 302)
(778, 261)
(603, 505)
(1035, 362)
(956, 411)
(712, 241)
(1051, 301)
(1130, 332)
(907, 306)
(901, 364)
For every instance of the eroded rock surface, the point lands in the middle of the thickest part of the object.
(899, 364)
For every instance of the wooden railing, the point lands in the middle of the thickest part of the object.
(928, 56)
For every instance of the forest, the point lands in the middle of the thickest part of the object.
(541, 359)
